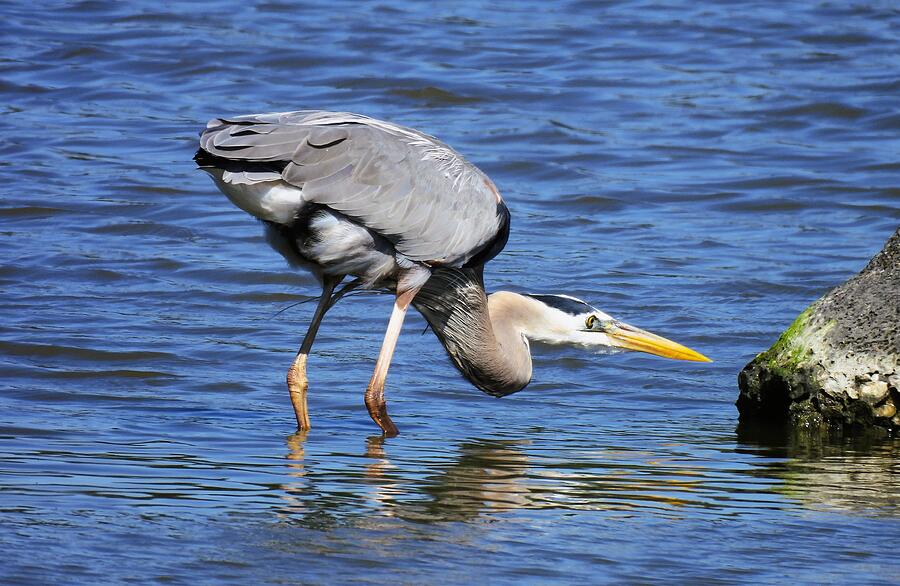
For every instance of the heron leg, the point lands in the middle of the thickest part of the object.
(375, 402)
(296, 376)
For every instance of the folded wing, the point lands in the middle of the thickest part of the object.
(432, 204)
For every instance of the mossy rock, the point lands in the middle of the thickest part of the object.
(837, 364)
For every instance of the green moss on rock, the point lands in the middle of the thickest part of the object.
(791, 348)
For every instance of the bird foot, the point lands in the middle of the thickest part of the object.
(297, 387)
(377, 407)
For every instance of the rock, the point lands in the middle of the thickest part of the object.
(837, 364)
(886, 411)
(873, 392)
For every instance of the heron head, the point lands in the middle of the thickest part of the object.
(562, 319)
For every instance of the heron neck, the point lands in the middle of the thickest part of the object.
(508, 321)
(484, 338)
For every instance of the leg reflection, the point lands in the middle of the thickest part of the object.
(293, 490)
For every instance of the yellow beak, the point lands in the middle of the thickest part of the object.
(632, 338)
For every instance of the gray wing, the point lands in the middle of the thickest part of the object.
(432, 204)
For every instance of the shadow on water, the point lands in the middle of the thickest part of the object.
(832, 471)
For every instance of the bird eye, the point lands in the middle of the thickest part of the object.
(590, 322)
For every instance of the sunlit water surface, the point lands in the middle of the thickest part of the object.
(703, 172)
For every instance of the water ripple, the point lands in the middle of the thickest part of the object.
(704, 170)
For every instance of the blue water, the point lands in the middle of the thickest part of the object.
(704, 172)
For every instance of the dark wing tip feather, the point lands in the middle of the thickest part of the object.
(207, 160)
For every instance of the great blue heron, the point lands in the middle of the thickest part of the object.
(343, 195)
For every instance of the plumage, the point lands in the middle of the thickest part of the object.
(345, 195)
(454, 303)
(432, 204)
(564, 303)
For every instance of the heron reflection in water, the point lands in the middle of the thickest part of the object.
(477, 476)
(343, 195)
